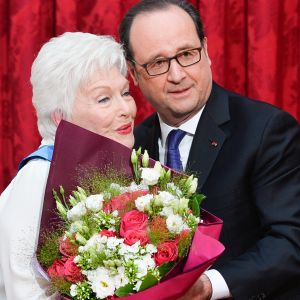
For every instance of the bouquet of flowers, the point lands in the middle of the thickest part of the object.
(120, 237)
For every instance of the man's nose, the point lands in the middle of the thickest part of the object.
(176, 72)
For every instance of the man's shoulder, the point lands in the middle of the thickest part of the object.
(249, 108)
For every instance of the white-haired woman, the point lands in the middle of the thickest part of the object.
(79, 77)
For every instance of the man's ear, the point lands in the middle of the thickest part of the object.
(56, 117)
(205, 50)
(133, 74)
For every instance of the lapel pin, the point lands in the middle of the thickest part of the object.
(214, 143)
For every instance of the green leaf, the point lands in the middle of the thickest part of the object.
(124, 290)
(200, 198)
(165, 268)
(194, 206)
(149, 281)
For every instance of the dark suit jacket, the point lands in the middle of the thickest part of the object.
(252, 181)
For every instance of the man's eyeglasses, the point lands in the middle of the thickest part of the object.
(161, 65)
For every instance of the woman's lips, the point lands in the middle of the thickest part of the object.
(125, 129)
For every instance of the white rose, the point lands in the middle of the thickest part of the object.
(175, 224)
(150, 176)
(94, 202)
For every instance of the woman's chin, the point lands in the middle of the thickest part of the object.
(126, 140)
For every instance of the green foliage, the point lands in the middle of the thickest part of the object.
(85, 292)
(148, 281)
(62, 285)
(124, 290)
(95, 181)
(184, 245)
(165, 268)
(50, 249)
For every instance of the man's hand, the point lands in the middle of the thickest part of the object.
(201, 290)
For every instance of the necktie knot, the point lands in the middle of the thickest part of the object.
(173, 155)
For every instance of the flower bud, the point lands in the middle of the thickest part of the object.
(134, 157)
(62, 210)
(145, 159)
(80, 239)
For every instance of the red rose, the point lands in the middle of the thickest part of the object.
(72, 272)
(133, 236)
(167, 251)
(56, 270)
(108, 233)
(67, 248)
(133, 220)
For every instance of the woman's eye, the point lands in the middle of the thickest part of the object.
(103, 100)
(126, 94)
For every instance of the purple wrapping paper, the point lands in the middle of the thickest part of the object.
(76, 148)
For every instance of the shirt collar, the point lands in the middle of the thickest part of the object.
(189, 126)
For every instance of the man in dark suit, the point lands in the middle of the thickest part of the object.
(245, 153)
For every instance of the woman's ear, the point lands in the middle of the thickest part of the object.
(56, 117)
(133, 74)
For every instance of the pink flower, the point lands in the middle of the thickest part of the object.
(167, 251)
(133, 220)
(71, 271)
(56, 270)
(125, 201)
(133, 236)
(108, 233)
(66, 247)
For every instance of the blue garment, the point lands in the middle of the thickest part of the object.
(44, 152)
(174, 138)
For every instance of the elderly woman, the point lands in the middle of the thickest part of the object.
(79, 77)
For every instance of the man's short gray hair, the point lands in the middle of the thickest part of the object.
(62, 65)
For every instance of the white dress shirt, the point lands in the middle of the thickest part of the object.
(21, 205)
(219, 286)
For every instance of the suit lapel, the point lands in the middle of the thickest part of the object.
(154, 135)
(209, 136)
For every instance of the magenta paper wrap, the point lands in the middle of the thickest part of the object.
(76, 148)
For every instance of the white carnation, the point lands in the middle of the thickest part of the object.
(175, 224)
(166, 198)
(76, 212)
(94, 202)
(167, 211)
(150, 248)
(73, 290)
(142, 268)
(150, 176)
(142, 203)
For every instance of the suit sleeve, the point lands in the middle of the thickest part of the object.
(273, 263)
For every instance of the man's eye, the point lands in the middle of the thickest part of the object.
(157, 64)
(103, 100)
(186, 54)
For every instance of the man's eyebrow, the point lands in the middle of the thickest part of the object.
(182, 48)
